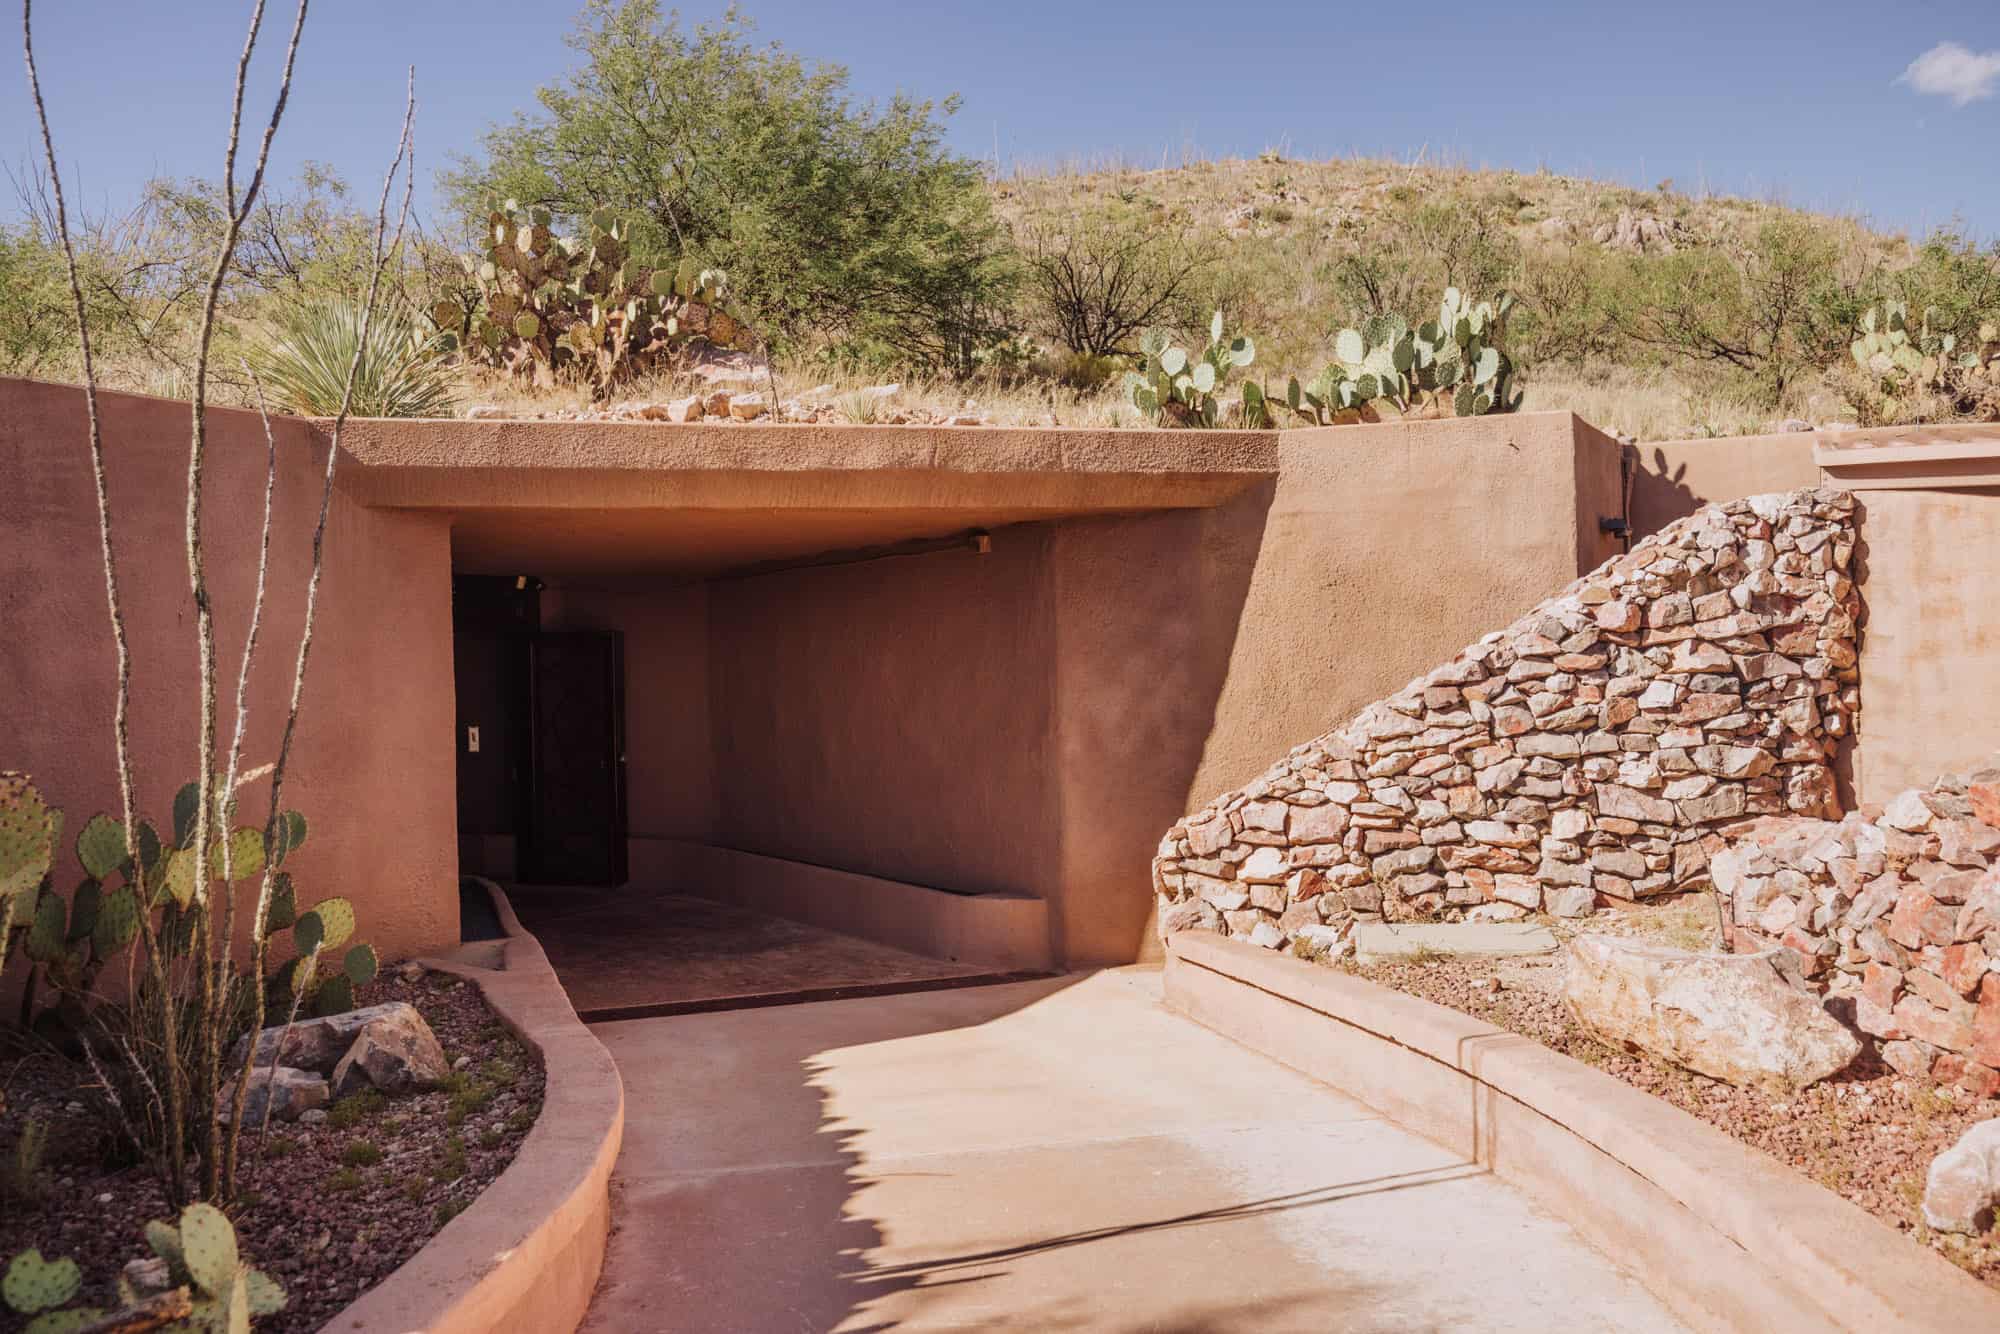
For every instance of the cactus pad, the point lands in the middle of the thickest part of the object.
(335, 996)
(337, 915)
(245, 854)
(84, 906)
(283, 912)
(294, 825)
(101, 846)
(361, 965)
(48, 935)
(208, 1248)
(165, 1239)
(27, 835)
(267, 1296)
(309, 932)
(117, 922)
(187, 802)
(178, 877)
(34, 1285)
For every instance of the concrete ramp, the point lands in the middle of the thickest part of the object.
(1062, 1154)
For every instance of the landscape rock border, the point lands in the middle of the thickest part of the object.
(528, 1252)
(1726, 1236)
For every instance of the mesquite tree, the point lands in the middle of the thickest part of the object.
(159, 1054)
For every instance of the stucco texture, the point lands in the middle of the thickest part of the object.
(372, 762)
(1930, 649)
(1027, 720)
(1674, 478)
(1158, 614)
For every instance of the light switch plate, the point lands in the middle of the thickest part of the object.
(472, 741)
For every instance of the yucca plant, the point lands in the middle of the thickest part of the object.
(402, 371)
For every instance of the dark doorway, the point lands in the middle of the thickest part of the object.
(574, 833)
(541, 740)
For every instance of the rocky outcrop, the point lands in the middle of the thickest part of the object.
(1734, 1017)
(1599, 748)
(1963, 1185)
(1893, 911)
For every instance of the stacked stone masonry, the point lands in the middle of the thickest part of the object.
(1896, 913)
(1600, 748)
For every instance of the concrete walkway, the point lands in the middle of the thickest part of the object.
(625, 949)
(1049, 1156)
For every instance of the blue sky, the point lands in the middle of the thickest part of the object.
(1805, 102)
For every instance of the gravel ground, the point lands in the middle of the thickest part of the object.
(327, 1210)
(1868, 1134)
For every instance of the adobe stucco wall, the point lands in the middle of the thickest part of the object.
(1027, 720)
(1674, 478)
(372, 765)
(1929, 573)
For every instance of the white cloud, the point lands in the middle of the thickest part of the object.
(1951, 70)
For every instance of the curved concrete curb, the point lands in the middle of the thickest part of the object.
(527, 1254)
(1725, 1235)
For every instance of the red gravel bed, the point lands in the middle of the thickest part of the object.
(1867, 1134)
(321, 1212)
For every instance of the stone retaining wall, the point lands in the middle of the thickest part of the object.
(1598, 748)
(1893, 910)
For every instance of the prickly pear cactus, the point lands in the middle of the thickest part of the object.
(34, 1285)
(308, 933)
(48, 936)
(1173, 388)
(117, 922)
(245, 855)
(208, 1247)
(28, 830)
(1451, 366)
(1908, 371)
(290, 834)
(361, 965)
(580, 303)
(202, 1252)
(101, 847)
(283, 912)
(179, 878)
(165, 1239)
(337, 917)
(84, 905)
(334, 996)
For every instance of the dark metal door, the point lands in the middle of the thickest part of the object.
(575, 799)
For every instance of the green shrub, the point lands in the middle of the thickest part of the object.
(829, 214)
(353, 1108)
(361, 1153)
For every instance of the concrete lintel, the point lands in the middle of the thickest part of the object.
(466, 464)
